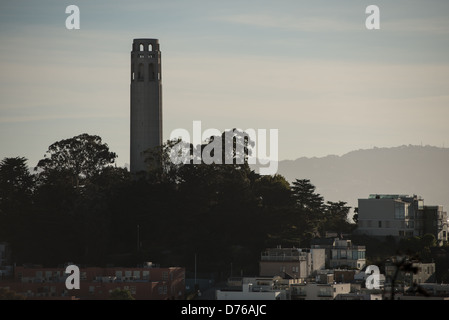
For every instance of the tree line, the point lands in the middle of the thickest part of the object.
(78, 206)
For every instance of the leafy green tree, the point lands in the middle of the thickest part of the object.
(76, 181)
(274, 191)
(236, 146)
(16, 182)
(16, 198)
(121, 294)
(336, 217)
(78, 158)
(309, 208)
(160, 167)
(306, 198)
(225, 183)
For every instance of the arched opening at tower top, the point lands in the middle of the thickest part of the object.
(141, 47)
(150, 47)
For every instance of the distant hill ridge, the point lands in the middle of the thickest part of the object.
(420, 170)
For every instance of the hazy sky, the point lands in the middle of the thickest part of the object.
(310, 69)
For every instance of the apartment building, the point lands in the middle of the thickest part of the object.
(400, 216)
(257, 288)
(319, 291)
(359, 296)
(144, 283)
(291, 262)
(425, 273)
(433, 220)
(341, 253)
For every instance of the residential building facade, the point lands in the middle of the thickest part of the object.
(291, 262)
(319, 291)
(144, 283)
(341, 253)
(400, 216)
(425, 273)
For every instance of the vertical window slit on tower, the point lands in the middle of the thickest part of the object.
(151, 71)
(140, 73)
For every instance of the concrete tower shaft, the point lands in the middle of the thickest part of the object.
(146, 100)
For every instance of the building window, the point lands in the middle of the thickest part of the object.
(380, 224)
(140, 72)
(399, 210)
(151, 71)
(162, 289)
(141, 47)
(325, 292)
(150, 47)
(335, 254)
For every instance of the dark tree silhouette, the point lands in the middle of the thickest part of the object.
(79, 158)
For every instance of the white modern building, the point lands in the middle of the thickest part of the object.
(400, 216)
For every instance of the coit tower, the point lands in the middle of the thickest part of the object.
(146, 101)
